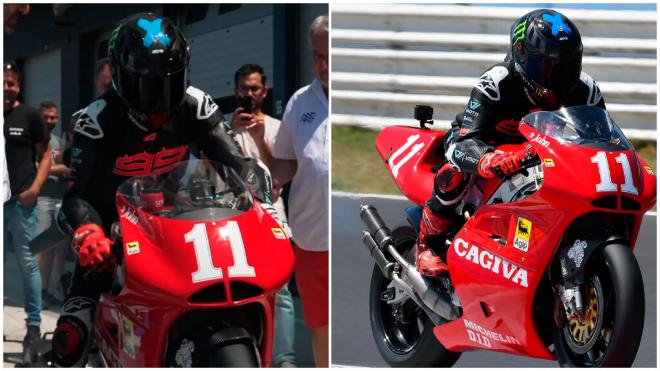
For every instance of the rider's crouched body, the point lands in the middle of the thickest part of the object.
(147, 123)
(542, 71)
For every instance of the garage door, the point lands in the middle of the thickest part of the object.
(216, 55)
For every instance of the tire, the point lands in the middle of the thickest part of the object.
(233, 355)
(404, 345)
(618, 328)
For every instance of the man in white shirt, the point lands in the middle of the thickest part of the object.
(255, 133)
(301, 150)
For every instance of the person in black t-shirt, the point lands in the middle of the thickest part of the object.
(543, 71)
(26, 144)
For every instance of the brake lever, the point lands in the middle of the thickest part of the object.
(528, 162)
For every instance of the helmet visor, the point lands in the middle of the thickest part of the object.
(549, 73)
(151, 94)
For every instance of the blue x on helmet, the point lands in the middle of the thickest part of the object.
(149, 55)
(547, 50)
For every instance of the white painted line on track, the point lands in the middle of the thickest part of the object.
(355, 195)
(334, 365)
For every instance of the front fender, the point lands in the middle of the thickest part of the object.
(575, 254)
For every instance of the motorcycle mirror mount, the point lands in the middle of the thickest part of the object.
(424, 114)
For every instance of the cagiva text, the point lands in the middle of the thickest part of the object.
(488, 261)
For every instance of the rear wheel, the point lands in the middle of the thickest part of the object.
(402, 331)
(609, 332)
(233, 355)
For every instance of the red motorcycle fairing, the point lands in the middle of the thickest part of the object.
(498, 258)
(171, 260)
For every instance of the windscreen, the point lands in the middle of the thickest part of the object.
(195, 189)
(582, 125)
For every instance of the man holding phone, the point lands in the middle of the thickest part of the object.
(255, 133)
(253, 129)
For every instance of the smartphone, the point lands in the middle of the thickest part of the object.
(245, 102)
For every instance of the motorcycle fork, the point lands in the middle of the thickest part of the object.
(570, 300)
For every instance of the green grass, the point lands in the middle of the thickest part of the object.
(357, 167)
(647, 151)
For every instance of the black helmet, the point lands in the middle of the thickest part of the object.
(547, 51)
(149, 56)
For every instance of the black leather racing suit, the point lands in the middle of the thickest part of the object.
(497, 103)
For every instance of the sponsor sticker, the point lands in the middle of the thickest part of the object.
(549, 162)
(576, 253)
(483, 336)
(278, 233)
(133, 248)
(127, 212)
(541, 140)
(649, 170)
(523, 233)
(472, 112)
(183, 355)
(130, 340)
(490, 262)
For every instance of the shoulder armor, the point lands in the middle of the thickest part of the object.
(205, 104)
(594, 92)
(87, 122)
(489, 82)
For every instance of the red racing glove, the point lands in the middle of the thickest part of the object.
(501, 165)
(92, 247)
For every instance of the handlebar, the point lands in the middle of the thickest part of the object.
(530, 161)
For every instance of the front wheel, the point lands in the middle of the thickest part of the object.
(233, 355)
(609, 333)
(402, 331)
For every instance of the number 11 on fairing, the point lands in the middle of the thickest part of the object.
(606, 184)
(205, 268)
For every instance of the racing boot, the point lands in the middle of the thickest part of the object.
(31, 342)
(431, 226)
(72, 334)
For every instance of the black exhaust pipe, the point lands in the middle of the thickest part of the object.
(379, 239)
(376, 238)
(377, 254)
(376, 225)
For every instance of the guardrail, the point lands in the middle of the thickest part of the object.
(486, 20)
(387, 58)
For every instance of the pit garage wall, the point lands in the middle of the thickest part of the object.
(73, 40)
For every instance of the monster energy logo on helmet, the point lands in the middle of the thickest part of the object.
(518, 32)
(113, 38)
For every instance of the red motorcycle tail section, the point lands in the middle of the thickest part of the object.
(410, 153)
